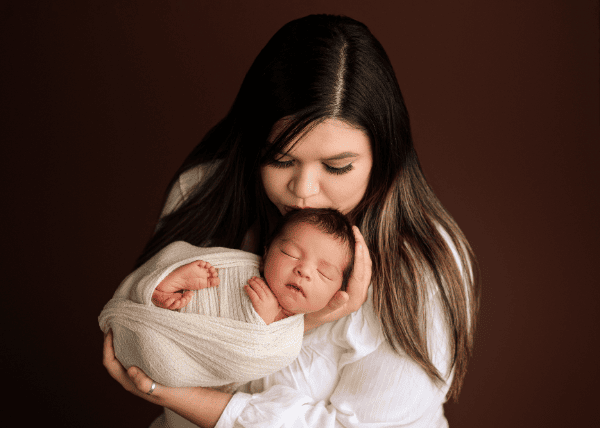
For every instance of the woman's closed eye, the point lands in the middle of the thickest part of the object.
(282, 164)
(328, 168)
(338, 171)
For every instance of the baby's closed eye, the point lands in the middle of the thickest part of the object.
(290, 251)
(324, 276)
(328, 273)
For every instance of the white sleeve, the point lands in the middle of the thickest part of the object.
(174, 199)
(182, 188)
(373, 386)
(382, 390)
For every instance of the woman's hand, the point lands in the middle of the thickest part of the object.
(136, 383)
(344, 303)
(202, 406)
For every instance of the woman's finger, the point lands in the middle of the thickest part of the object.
(133, 380)
(142, 382)
(108, 354)
(339, 300)
(112, 365)
(361, 273)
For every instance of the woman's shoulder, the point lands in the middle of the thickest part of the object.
(186, 184)
(194, 176)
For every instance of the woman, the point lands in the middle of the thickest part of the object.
(320, 121)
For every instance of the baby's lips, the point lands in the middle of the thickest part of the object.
(299, 288)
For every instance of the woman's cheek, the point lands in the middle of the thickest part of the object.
(274, 182)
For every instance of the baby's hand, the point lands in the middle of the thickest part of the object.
(174, 292)
(263, 299)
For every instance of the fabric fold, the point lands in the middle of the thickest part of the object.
(219, 339)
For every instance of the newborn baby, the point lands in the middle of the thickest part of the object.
(308, 259)
(228, 325)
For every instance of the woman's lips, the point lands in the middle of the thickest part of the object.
(289, 208)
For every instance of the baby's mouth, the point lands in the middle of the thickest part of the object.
(296, 288)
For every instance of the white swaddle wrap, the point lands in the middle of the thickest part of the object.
(217, 339)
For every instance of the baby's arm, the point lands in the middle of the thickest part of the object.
(263, 300)
(174, 292)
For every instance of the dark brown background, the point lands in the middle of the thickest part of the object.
(102, 100)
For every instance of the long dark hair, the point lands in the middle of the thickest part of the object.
(315, 68)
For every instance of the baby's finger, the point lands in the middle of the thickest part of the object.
(256, 286)
(251, 294)
(263, 286)
(213, 279)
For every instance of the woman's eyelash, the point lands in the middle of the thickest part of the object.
(339, 171)
(328, 168)
(282, 164)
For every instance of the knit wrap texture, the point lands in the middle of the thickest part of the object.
(217, 339)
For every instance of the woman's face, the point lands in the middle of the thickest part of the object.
(329, 167)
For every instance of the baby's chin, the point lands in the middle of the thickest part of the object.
(288, 313)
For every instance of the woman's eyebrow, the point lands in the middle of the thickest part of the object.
(343, 155)
(339, 156)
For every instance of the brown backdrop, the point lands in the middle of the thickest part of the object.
(102, 100)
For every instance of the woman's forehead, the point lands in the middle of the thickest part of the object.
(287, 123)
(333, 138)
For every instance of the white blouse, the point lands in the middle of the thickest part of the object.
(346, 375)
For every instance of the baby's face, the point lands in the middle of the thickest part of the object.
(304, 268)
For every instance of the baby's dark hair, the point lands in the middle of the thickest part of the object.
(327, 220)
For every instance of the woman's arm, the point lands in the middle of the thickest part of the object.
(202, 406)
(380, 388)
(347, 375)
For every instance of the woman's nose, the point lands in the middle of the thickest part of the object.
(304, 183)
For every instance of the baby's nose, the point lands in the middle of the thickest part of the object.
(303, 272)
